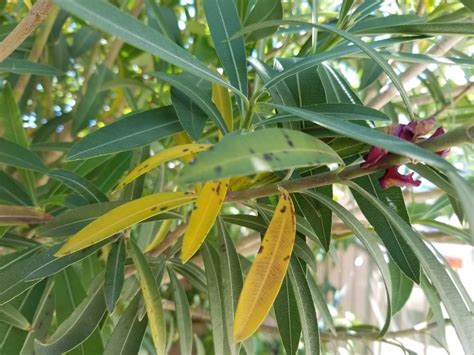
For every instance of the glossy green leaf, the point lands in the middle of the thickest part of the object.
(183, 317)
(288, 320)
(12, 192)
(80, 185)
(264, 10)
(79, 325)
(10, 315)
(187, 86)
(452, 299)
(306, 311)
(437, 28)
(160, 19)
(336, 88)
(464, 192)
(434, 301)
(128, 334)
(132, 131)
(397, 248)
(370, 136)
(264, 150)
(192, 273)
(114, 274)
(320, 303)
(223, 21)
(111, 20)
(23, 66)
(20, 157)
(83, 40)
(401, 287)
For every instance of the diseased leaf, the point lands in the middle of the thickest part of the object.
(114, 274)
(161, 157)
(151, 297)
(263, 150)
(122, 217)
(204, 214)
(267, 273)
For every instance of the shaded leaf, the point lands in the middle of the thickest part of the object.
(114, 274)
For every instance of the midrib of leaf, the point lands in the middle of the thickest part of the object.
(77, 183)
(73, 303)
(7, 333)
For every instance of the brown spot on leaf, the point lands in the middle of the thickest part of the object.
(153, 209)
(260, 249)
(286, 258)
(218, 169)
(283, 209)
(268, 156)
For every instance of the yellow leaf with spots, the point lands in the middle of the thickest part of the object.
(159, 158)
(122, 217)
(204, 215)
(151, 297)
(268, 271)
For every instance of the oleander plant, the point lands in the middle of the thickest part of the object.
(174, 172)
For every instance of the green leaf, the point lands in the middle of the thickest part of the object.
(129, 331)
(79, 325)
(370, 136)
(288, 320)
(160, 17)
(23, 66)
(401, 287)
(184, 84)
(435, 307)
(369, 243)
(216, 303)
(192, 273)
(83, 40)
(12, 192)
(464, 191)
(264, 10)
(397, 248)
(232, 281)
(111, 20)
(80, 185)
(152, 298)
(320, 304)
(436, 28)
(452, 299)
(337, 90)
(192, 117)
(270, 149)
(20, 157)
(10, 315)
(306, 311)
(114, 274)
(183, 317)
(132, 131)
(224, 22)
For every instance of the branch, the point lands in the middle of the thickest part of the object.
(454, 138)
(33, 19)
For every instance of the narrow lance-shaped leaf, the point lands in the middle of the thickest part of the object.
(114, 274)
(151, 297)
(183, 317)
(224, 22)
(79, 325)
(264, 150)
(122, 217)
(223, 102)
(23, 66)
(452, 299)
(268, 271)
(12, 316)
(20, 157)
(370, 136)
(16, 215)
(161, 157)
(204, 214)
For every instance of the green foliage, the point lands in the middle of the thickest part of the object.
(284, 96)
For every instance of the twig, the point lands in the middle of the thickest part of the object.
(378, 101)
(454, 100)
(33, 19)
(451, 139)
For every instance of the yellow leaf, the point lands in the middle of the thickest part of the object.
(176, 152)
(28, 4)
(221, 98)
(204, 215)
(160, 235)
(268, 271)
(151, 297)
(123, 217)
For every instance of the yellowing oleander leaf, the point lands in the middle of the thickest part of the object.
(221, 98)
(151, 297)
(160, 235)
(159, 158)
(123, 217)
(266, 275)
(204, 215)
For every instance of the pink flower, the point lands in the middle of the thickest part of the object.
(410, 132)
